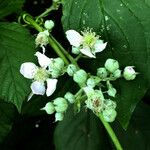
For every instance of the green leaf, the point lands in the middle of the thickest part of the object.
(138, 133)
(124, 24)
(7, 114)
(9, 6)
(16, 47)
(80, 132)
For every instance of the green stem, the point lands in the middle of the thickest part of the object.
(111, 133)
(54, 6)
(79, 93)
(28, 19)
(46, 12)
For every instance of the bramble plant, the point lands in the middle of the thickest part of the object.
(106, 68)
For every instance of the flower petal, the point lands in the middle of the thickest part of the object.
(38, 88)
(86, 51)
(43, 60)
(51, 86)
(28, 70)
(99, 46)
(74, 38)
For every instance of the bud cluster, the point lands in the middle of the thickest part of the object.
(92, 86)
(59, 106)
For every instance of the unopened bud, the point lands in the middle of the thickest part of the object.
(109, 104)
(75, 50)
(71, 69)
(129, 73)
(49, 108)
(109, 115)
(117, 73)
(49, 24)
(61, 104)
(59, 116)
(70, 97)
(102, 72)
(80, 77)
(93, 81)
(111, 65)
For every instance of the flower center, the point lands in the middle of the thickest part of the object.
(97, 104)
(41, 75)
(89, 38)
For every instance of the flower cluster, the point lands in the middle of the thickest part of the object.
(88, 43)
(59, 106)
(96, 91)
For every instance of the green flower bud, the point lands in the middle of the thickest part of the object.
(111, 65)
(102, 73)
(117, 73)
(129, 73)
(59, 116)
(56, 67)
(80, 77)
(71, 69)
(49, 24)
(93, 81)
(49, 108)
(75, 50)
(59, 63)
(109, 104)
(70, 97)
(109, 115)
(61, 104)
(112, 92)
(55, 73)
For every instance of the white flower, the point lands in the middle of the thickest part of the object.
(88, 43)
(39, 75)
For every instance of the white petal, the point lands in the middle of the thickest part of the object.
(99, 46)
(86, 51)
(38, 88)
(51, 86)
(28, 70)
(43, 60)
(74, 38)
